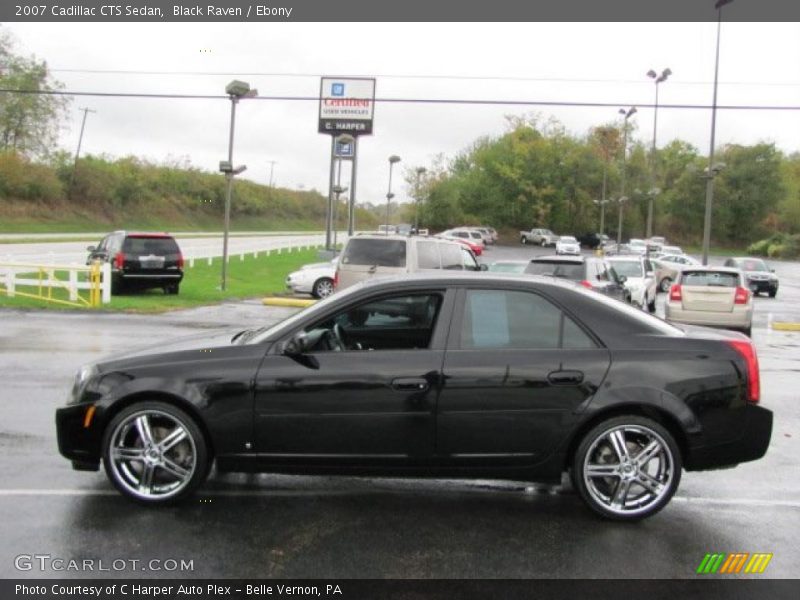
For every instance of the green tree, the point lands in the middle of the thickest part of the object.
(29, 118)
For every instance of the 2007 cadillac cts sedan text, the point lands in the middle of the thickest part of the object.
(493, 376)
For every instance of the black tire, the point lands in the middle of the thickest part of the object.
(190, 454)
(665, 284)
(173, 289)
(322, 288)
(597, 449)
(773, 293)
(651, 306)
(523, 240)
(748, 331)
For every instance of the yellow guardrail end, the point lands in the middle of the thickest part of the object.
(785, 326)
(283, 301)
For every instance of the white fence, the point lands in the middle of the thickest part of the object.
(47, 278)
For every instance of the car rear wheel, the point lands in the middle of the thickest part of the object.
(154, 453)
(666, 283)
(773, 293)
(172, 289)
(323, 287)
(627, 468)
(523, 240)
(651, 306)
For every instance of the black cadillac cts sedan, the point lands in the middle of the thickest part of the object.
(469, 375)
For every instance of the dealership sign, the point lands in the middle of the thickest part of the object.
(346, 105)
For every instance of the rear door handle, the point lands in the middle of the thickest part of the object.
(410, 384)
(565, 377)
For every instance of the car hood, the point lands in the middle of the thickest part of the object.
(216, 339)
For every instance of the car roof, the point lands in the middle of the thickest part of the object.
(563, 259)
(462, 278)
(708, 268)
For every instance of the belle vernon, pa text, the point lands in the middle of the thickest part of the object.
(172, 591)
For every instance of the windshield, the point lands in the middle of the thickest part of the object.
(564, 270)
(569, 239)
(754, 264)
(629, 268)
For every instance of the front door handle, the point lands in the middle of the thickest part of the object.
(410, 384)
(565, 377)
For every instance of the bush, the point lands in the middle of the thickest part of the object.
(767, 246)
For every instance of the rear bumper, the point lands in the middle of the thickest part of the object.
(737, 319)
(751, 446)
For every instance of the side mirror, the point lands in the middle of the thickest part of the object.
(484, 267)
(296, 346)
(622, 278)
(91, 248)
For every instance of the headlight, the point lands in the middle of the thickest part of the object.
(82, 379)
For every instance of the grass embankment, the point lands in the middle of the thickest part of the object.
(252, 277)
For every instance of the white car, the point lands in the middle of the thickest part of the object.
(640, 279)
(567, 244)
(315, 279)
(711, 296)
(638, 246)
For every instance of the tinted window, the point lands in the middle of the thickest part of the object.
(143, 245)
(383, 253)
(752, 264)
(428, 255)
(573, 337)
(451, 257)
(403, 322)
(710, 278)
(628, 268)
(507, 319)
(565, 270)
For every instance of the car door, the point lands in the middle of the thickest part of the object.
(517, 369)
(372, 400)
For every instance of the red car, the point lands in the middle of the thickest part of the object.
(477, 249)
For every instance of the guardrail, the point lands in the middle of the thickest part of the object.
(45, 279)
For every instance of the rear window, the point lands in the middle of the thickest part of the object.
(710, 278)
(628, 268)
(565, 270)
(143, 245)
(382, 253)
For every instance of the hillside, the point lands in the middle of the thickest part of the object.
(132, 193)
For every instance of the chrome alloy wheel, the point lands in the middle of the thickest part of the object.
(152, 455)
(323, 288)
(628, 470)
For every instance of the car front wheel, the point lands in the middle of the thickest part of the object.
(323, 287)
(627, 468)
(154, 453)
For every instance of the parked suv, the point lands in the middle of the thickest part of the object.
(371, 255)
(140, 261)
(590, 271)
(758, 276)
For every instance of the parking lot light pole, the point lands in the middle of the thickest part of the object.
(235, 90)
(420, 172)
(389, 195)
(627, 114)
(711, 171)
(657, 79)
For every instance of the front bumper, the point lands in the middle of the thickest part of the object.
(762, 285)
(77, 443)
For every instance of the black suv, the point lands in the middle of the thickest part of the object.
(140, 261)
(590, 271)
(593, 240)
(758, 276)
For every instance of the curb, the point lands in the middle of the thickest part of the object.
(296, 302)
(785, 326)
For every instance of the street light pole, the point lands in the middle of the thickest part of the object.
(658, 79)
(389, 195)
(420, 172)
(235, 90)
(710, 175)
(622, 198)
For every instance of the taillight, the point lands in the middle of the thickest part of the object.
(180, 260)
(742, 296)
(675, 294)
(119, 260)
(746, 349)
(336, 279)
(587, 284)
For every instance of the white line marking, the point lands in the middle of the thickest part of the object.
(275, 493)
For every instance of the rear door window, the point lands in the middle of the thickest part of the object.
(382, 253)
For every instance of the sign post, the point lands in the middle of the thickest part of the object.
(346, 109)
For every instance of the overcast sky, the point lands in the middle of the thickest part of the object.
(572, 62)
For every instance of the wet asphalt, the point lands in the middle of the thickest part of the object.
(324, 527)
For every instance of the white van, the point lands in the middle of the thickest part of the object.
(373, 255)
